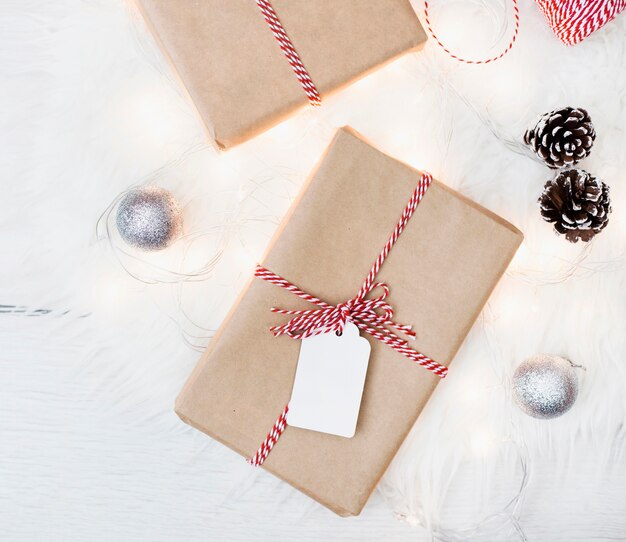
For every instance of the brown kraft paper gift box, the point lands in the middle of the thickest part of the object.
(237, 76)
(440, 272)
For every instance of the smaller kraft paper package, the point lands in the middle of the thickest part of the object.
(237, 70)
(438, 275)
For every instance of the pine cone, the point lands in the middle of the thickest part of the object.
(577, 203)
(563, 137)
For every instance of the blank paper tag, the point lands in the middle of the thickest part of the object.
(329, 382)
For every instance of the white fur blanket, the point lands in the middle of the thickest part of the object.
(95, 343)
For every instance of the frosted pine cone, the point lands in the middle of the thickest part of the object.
(577, 203)
(562, 138)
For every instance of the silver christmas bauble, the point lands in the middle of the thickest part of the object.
(149, 218)
(545, 386)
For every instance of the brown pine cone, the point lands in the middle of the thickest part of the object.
(562, 138)
(577, 203)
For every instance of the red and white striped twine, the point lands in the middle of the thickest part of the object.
(290, 52)
(466, 61)
(267, 445)
(574, 20)
(373, 316)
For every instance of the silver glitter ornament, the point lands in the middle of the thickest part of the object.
(149, 218)
(545, 386)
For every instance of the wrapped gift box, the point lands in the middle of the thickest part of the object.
(440, 273)
(236, 74)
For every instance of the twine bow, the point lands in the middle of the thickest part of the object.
(367, 314)
(373, 316)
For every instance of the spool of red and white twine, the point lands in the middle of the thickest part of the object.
(573, 20)
(373, 316)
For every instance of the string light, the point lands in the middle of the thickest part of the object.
(149, 121)
(110, 290)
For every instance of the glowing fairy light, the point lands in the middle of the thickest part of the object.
(482, 441)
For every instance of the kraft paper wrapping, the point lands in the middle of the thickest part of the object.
(441, 272)
(236, 74)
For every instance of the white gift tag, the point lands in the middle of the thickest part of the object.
(329, 382)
